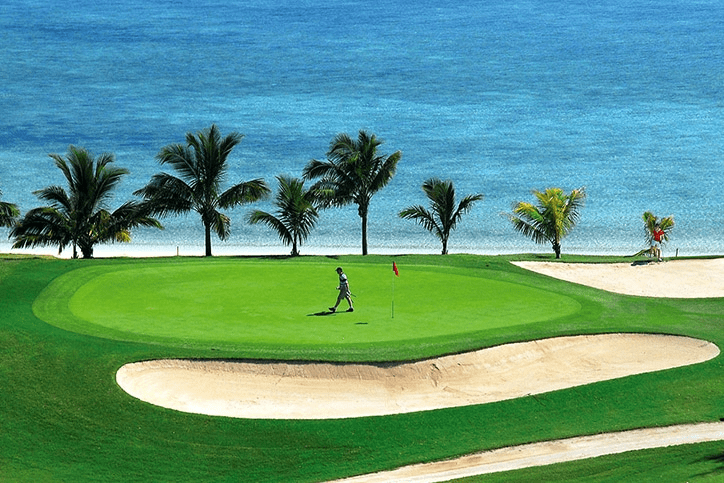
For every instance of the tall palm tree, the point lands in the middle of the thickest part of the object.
(79, 217)
(296, 215)
(353, 172)
(8, 213)
(445, 212)
(657, 231)
(202, 167)
(552, 218)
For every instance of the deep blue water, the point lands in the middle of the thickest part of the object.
(622, 97)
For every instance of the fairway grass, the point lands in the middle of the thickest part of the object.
(246, 303)
(64, 418)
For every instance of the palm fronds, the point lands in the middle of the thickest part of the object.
(79, 217)
(8, 213)
(202, 165)
(296, 215)
(551, 219)
(445, 212)
(353, 172)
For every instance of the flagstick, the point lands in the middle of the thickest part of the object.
(394, 274)
(393, 295)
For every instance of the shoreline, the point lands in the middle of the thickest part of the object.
(172, 250)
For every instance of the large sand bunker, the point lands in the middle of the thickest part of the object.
(673, 279)
(292, 390)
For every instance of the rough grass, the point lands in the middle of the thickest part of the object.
(63, 418)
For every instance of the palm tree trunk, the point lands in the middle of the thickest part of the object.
(207, 239)
(444, 247)
(362, 210)
(87, 251)
(364, 234)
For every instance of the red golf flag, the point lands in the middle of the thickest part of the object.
(394, 269)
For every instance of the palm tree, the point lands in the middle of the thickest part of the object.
(657, 230)
(445, 212)
(202, 166)
(296, 215)
(78, 217)
(8, 213)
(552, 219)
(353, 173)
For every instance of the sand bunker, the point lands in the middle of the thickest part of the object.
(546, 453)
(673, 279)
(288, 390)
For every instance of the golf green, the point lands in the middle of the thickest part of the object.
(242, 302)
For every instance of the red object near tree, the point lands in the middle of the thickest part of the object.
(658, 235)
(394, 269)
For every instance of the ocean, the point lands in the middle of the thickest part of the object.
(624, 97)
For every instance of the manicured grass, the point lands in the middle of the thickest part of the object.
(251, 306)
(63, 417)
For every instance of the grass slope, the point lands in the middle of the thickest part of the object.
(63, 418)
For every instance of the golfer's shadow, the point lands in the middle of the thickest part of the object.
(326, 312)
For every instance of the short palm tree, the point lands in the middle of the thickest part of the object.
(552, 218)
(8, 213)
(657, 231)
(353, 172)
(202, 167)
(79, 217)
(444, 213)
(296, 216)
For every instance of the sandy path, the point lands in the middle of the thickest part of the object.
(674, 279)
(546, 453)
(287, 390)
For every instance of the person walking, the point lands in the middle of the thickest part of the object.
(344, 292)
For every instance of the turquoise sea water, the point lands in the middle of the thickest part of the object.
(622, 97)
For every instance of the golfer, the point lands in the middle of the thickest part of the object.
(344, 292)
